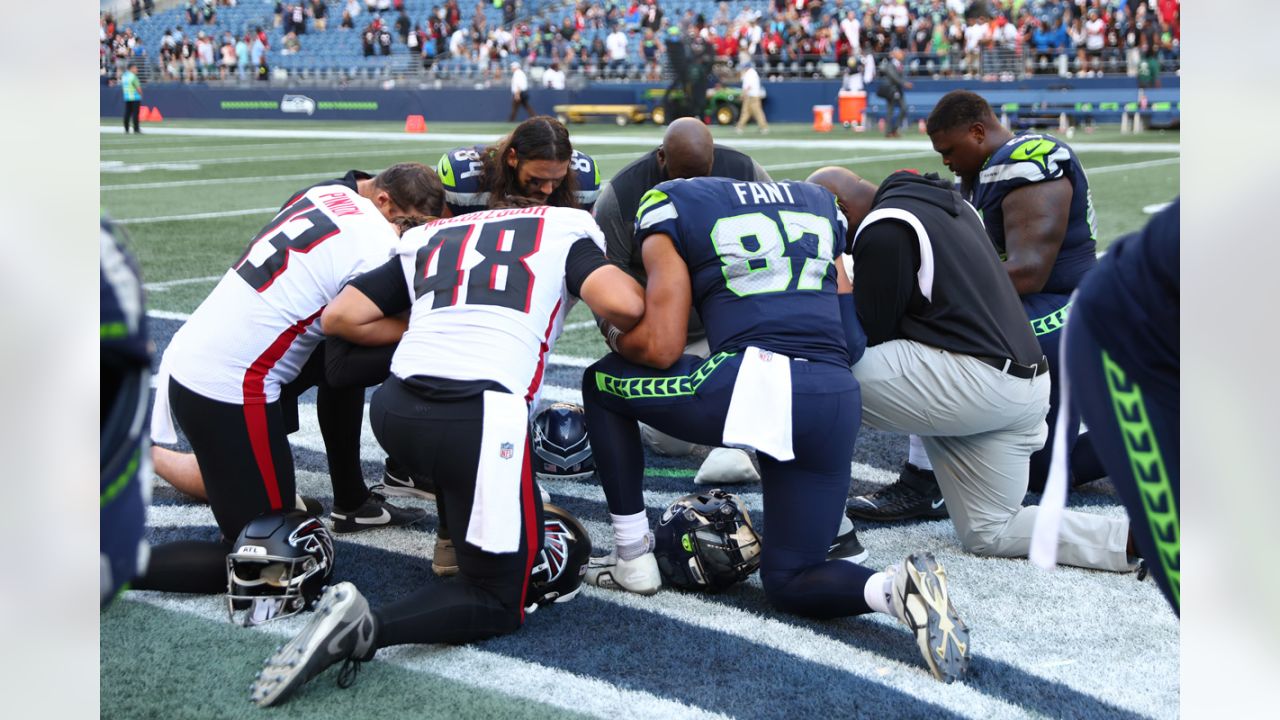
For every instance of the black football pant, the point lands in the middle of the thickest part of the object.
(132, 109)
(803, 498)
(1135, 432)
(441, 440)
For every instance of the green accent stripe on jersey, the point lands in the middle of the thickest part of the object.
(1052, 322)
(112, 330)
(1149, 473)
(651, 198)
(659, 387)
(121, 481)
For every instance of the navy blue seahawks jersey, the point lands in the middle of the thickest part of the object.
(1033, 158)
(125, 357)
(760, 259)
(460, 172)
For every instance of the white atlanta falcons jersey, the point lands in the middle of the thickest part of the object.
(260, 324)
(490, 287)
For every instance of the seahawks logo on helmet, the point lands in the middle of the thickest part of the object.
(706, 542)
(561, 447)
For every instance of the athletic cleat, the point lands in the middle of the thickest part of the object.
(397, 482)
(846, 545)
(376, 512)
(914, 495)
(921, 602)
(340, 629)
(444, 559)
(639, 575)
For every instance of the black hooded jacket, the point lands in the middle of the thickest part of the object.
(924, 270)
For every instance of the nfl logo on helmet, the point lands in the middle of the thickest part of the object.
(507, 450)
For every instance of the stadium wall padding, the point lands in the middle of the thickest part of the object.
(786, 101)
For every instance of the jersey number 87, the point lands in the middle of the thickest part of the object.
(767, 268)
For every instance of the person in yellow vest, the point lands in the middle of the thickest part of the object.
(132, 97)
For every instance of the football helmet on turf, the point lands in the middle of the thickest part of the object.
(125, 364)
(706, 541)
(278, 566)
(561, 447)
(566, 547)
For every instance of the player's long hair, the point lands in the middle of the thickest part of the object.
(414, 188)
(538, 138)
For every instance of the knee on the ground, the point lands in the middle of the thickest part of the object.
(785, 593)
(984, 540)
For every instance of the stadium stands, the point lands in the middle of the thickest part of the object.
(791, 39)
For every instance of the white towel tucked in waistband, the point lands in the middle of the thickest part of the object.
(760, 410)
(1048, 527)
(495, 511)
(162, 429)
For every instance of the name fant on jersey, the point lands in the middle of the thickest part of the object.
(763, 193)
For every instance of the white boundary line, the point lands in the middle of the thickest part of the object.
(651, 139)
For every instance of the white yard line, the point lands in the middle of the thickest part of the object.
(651, 139)
(166, 284)
(1132, 166)
(222, 181)
(471, 666)
(197, 216)
(274, 158)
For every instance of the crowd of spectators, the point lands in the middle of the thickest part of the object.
(989, 39)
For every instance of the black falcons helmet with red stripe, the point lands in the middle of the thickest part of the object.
(561, 448)
(559, 568)
(278, 566)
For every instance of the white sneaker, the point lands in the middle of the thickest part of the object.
(726, 466)
(921, 602)
(639, 576)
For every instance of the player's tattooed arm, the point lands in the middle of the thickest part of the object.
(1035, 223)
(659, 338)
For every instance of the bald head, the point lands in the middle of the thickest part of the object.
(687, 149)
(854, 193)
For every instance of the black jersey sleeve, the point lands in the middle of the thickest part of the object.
(386, 286)
(584, 258)
(885, 258)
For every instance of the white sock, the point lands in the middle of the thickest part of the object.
(917, 456)
(878, 591)
(629, 529)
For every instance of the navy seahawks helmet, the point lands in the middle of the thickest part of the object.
(278, 566)
(561, 447)
(125, 364)
(706, 542)
(566, 547)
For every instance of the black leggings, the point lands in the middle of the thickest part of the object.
(441, 440)
(132, 109)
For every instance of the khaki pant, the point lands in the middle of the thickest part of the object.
(979, 426)
(752, 107)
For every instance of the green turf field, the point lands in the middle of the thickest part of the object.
(1070, 643)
